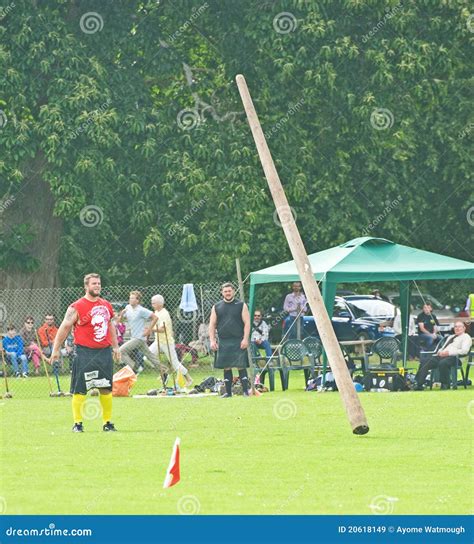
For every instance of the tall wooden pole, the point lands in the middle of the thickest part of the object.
(352, 405)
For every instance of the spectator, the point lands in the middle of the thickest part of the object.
(202, 344)
(428, 327)
(13, 346)
(260, 331)
(47, 333)
(377, 294)
(412, 333)
(295, 305)
(456, 345)
(470, 306)
(32, 350)
(138, 317)
(164, 340)
(120, 328)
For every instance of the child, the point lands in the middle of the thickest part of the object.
(13, 346)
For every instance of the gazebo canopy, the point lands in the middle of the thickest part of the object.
(369, 259)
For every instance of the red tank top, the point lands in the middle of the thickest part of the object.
(92, 327)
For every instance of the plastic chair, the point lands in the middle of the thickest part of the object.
(453, 375)
(386, 347)
(295, 356)
(271, 368)
(470, 362)
(315, 350)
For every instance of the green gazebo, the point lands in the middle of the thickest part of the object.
(369, 260)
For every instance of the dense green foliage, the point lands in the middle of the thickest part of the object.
(96, 118)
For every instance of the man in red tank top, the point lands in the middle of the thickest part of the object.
(96, 343)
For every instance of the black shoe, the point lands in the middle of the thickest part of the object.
(226, 396)
(108, 427)
(246, 394)
(444, 387)
(78, 428)
(419, 388)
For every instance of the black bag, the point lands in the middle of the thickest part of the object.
(385, 379)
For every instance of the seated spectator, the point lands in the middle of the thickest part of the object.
(428, 327)
(412, 348)
(32, 350)
(260, 332)
(14, 350)
(120, 328)
(456, 345)
(202, 344)
(47, 333)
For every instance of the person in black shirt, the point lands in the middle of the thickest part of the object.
(231, 319)
(428, 327)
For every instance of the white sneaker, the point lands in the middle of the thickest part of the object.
(139, 369)
(25, 375)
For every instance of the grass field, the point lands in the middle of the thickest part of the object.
(289, 452)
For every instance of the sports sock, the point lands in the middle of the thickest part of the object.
(106, 403)
(228, 381)
(77, 402)
(244, 380)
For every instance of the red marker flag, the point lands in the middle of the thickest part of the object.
(172, 474)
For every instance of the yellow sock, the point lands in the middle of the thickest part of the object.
(77, 402)
(106, 403)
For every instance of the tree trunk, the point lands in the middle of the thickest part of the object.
(33, 204)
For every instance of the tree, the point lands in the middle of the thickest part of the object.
(126, 149)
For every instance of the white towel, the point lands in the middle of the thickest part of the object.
(188, 299)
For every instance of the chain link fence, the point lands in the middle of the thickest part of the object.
(17, 304)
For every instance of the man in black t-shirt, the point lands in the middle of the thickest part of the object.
(428, 327)
(231, 320)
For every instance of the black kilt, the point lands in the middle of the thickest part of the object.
(92, 368)
(229, 354)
